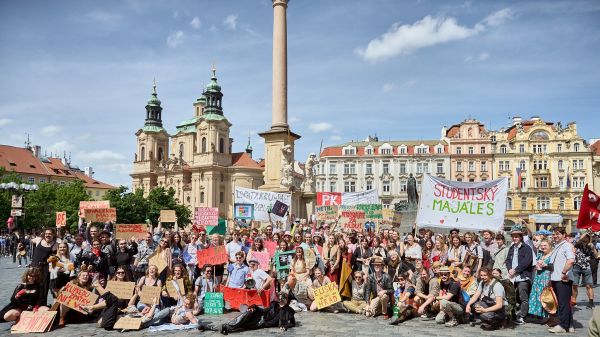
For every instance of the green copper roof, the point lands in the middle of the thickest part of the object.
(152, 128)
(213, 86)
(188, 122)
(213, 117)
(154, 98)
(186, 128)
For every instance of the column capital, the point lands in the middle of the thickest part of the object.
(280, 3)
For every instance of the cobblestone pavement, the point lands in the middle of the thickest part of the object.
(309, 324)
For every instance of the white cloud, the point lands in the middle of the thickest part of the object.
(59, 147)
(230, 22)
(51, 130)
(336, 137)
(294, 119)
(483, 56)
(100, 155)
(5, 121)
(213, 28)
(320, 127)
(427, 32)
(120, 168)
(104, 18)
(195, 23)
(175, 39)
(387, 87)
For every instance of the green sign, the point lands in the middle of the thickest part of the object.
(372, 211)
(283, 262)
(213, 303)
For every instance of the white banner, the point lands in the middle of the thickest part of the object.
(262, 201)
(355, 198)
(465, 205)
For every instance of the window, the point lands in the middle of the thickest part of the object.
(402, 185)
(368, 168)
(471, 150)
(561, 182)
(493, 138)
(143, 153)
(62, 183)
(386, 205)
(181, 148)
(523, 203)
(369, 185)
(459, 150)
(332, 186)
(579, 182)
(576, 147)
(522, 165)
(541, 182)
(332, 169)
(540, 148)
(42, 180)
(349, 168)
(504, 165)
(221, 145)
(422, 150)
(420, 168)
(578, 164)
(540, 165)
(349, 152)
(203, 144)
(523, 182)
(386, 168)
(560, 164)
(97, 193)
(471, 166)
(386, 187)
(221, 197)
(522, 148)
(543, 203)
(439, 149)
(561, 203)
(459, 166)
(402, 149)
(349, 186)
(576, 203)
(31, 180)
(402, 168)
(202, 197)
(559, 148)
(160, 154)
(440, 168)
(503, 149)
(369, 151)
(484, 166)
(509, 204)
(386, 151)
(482, 150)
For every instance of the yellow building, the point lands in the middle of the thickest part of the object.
(548, 166)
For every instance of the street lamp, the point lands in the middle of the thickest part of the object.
(17, 200)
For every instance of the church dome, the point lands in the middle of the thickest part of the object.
(213, 86)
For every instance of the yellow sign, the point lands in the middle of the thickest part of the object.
(327, 295)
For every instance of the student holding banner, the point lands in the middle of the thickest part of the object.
(178, 274)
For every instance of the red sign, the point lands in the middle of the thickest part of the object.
(212, 255)
(61, 219)
(236, 297)
(271, 247)
(207, 216)
(329, 198)
(264, 260)
(101, 214)
(589, 212)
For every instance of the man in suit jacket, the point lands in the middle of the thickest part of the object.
(519, 262)
(378, 291)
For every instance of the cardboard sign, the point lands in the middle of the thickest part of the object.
(213, 303)
(158, 261)
(83, 205)
(327, 213)
(171, 288)
(352, 219)
(264, 260)
(207, 216)
(126, 231)
(279, 208)
(212, 255)
(372, 211)
(16, 201)
(36, 322)
(327, 295)
(128, 323)
(167, 215)
(61, 219)
(75, 297)
(148, 294)
(236, 297)
(123, 290)
(243, 211)
(271, 247)
(101, 215)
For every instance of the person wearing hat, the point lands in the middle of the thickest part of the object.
(488, 301)
(378, 291)
(519, 261)
(541, 278)
(262, 280)
(449, 300)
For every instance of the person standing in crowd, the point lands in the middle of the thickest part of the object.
(379, 291)
(562, 259)
(455, 253)
(145, 250)
(412, 250)
(331, 259)
(472, 253)
(449, 300)
(362, 256)
(541, 279)
(61, 268)
(124, 256)
(519, 261)
(177, 249)
(77, 246)
(582, 270)
(232, 248)
(500, 255)
(43, 249)
(488, 301)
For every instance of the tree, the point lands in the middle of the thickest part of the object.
(67, 199)
(159, 199)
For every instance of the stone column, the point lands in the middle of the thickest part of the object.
(279, 117)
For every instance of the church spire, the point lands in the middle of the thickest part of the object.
(153, 109)
(249, 147)
(214, 96)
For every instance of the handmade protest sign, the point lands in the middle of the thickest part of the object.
(327, 295)
(128, 323)
(263, 259)
(123, 290)
(83, 205)
(157, 260)
(236, 297)
(243, 211)
(126, 231)
(101, 215)
(212, 255)
(148, 294)
(61, 219)
(467, 205)
(75, 297)
(373, 212)
(171, 288)
(213, 303)
(168, 215)
(347, 198)
(263, 201)
(279, 208)
(271, 247)
(283, 261)
(207, 216)
(352, 219)
(327, 213)
(36, 322)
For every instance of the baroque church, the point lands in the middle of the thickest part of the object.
(197, 159)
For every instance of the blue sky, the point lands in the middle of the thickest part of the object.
(76, 75)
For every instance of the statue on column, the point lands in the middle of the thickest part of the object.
(411, 189)
(287, 167)
(308, 185)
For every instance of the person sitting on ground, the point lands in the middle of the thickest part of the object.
(182, 313)
(320, 280)
(468, 283)
(179, 275)
(205, 283)
(488, 301)
(427, 288)
(407, 306)
(378, 291)
(25, 297)
(84, 281)
(357, 303)
(449, 300)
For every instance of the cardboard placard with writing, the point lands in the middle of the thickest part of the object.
(207, 216)
(75, 297)
(61, 219)
(83, 205)
(126, 231)
(327, 295)
(123, 290)
(213, 303)
(264, 260)
(212, 255)
(101, 215)
(397, 219)
(128, 323)
(157, 260)
(373, 212)
(36, 322)
(327, 213)
(352, 219)
(171, 288)
(168, 215)
(148, 294)
(271, 247)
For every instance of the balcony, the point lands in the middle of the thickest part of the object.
(540, 171)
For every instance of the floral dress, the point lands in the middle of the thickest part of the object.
(540, 281)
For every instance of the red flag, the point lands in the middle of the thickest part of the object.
(589, 212)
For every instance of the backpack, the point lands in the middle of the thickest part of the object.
(511, 296)
(487, 259)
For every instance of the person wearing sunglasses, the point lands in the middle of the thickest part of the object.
(26, 296)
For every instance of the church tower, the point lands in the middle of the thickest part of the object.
(152, 146)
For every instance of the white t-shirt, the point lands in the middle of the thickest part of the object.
(232, 248)
(259, 276)
(561, 253)
(492, 292)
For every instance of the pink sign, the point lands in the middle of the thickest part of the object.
(263, 258)
(271, 247)
(206, 216)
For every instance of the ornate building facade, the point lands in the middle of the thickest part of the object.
(548, 166)
(470, 151)
(197, 160)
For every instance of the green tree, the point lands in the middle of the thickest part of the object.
(39, 207)
(131, 207)
(5, 195)
(67, 199)
(159, 199)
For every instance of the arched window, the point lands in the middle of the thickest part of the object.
(143, 153)
(181, 150)
(221, 145)
(503, 149)
(576, 203)
(203, 144)
(160, 154)
(509, 204)
(576, 147)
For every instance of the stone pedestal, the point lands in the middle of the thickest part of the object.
(309, 201)
(409, 217)
(274, 141)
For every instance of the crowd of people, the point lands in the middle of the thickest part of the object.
(494, 280)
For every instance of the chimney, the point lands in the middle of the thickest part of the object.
(37, 151)
(517, 120)
(88, 171)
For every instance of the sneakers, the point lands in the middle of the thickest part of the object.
(590, 304)
(519, 321)
(558, 329)
(488, 327)
(451, 323)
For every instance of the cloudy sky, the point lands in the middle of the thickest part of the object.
(76, 74)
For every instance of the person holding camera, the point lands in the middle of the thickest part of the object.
(488, 301)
